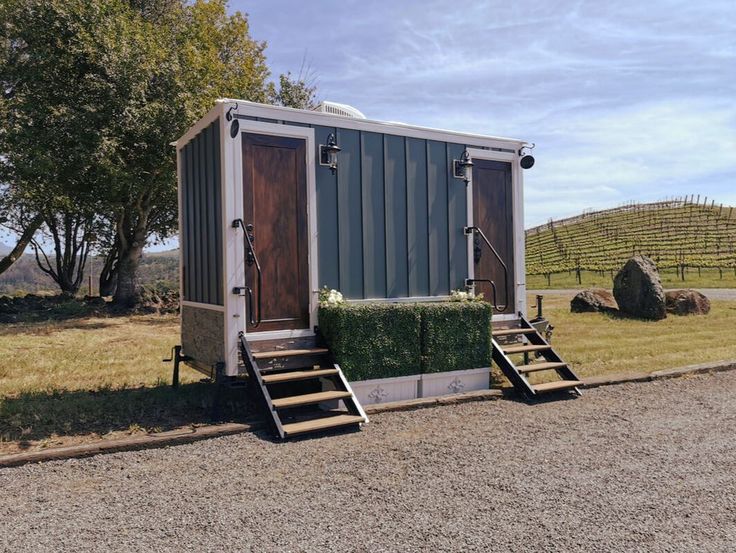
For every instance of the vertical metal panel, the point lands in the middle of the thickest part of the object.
(201, 234)
(211, 272)
(439, 275)
(327, 218)
(456, 219)
(219, 261)
(350, 218)
(397, 278)
(192, 237)
(185, 222)
(416, 193)
(374, 237)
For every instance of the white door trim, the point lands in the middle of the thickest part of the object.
(518, 225)
(235, 211)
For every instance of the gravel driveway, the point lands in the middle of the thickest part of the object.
(638, 467)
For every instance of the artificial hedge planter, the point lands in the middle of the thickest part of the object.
(384, 340)
(373, 340)
(455, 336)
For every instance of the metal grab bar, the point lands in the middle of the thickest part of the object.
(500, 309)
(252, 258)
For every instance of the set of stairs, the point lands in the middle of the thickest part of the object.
(523, 341)
(300, 387)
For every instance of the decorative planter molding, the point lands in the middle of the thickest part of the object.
(454, 382)
(385, 390)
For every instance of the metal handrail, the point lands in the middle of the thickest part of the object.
(250, 250)
(505, 306)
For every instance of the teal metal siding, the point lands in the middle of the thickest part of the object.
(390, 223)
(201, 232)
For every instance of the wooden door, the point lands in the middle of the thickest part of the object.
(493, 214)
(275, 203)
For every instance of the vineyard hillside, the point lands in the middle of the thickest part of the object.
(677, 234)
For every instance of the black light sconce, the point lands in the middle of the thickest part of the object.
(462, 167)
(527, 160)
(234, 126)
(328, 153)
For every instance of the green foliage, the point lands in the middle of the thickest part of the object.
(373, 340)
(674, 234)
(455, 336)
(383, 340)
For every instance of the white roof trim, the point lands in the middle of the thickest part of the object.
(329, 120)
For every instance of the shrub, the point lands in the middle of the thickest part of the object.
(383, 340)
(455, 336)
(373, 340)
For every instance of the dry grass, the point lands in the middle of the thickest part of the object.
(596, 344)
(80, 380)
(77, 380)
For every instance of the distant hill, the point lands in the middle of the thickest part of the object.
(4, 249)
(160, 269)
(678, 233)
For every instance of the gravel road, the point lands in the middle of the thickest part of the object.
(711, 293)
(639, 467)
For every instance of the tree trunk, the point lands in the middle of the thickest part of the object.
(128, 290)
(25, 239)
(109, 272)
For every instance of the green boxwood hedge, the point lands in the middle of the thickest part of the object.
(455, 336)
(383, 340)
(373, 340)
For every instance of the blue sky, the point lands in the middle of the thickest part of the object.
(625, 100)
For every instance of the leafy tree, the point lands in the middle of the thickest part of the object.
(96, 92)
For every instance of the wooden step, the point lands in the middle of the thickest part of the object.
(535, 367)
(523, 349)
(513, 331)
(324, 423)
(297, 375)
(308, 399)
(556, 386)
(289, 353)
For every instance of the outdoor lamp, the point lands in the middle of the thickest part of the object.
(527, 160)
(328, 153)
(462, 167)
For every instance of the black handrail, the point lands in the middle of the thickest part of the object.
(253, 259)
(498, 308)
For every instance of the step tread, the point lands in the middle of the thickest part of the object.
(307, 399)
(525, 348)
(297, 375)
(321, 424)
(513, 331)
(289, 353)
(534, 367)
(556, 385)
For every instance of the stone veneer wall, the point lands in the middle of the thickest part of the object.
(203, 334)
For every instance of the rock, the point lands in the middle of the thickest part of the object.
(687, 302)
(638, 289)
(595, 300)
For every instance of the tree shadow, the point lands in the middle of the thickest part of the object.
(34, 417)
(46, 327)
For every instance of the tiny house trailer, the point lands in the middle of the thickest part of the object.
(276, 203)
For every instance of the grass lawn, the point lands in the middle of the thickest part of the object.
(80, 380)
(707, 278)
(77, 380)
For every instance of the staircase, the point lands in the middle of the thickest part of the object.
(524, 340)
(299, 386)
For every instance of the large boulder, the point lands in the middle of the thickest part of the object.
(595, 300)
(638, 289)
(687, 302)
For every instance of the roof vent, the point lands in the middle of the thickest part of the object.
(344, 110)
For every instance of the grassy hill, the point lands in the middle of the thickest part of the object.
(683, 237)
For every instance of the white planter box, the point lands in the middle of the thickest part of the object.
(385, 390)
(454, 382)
